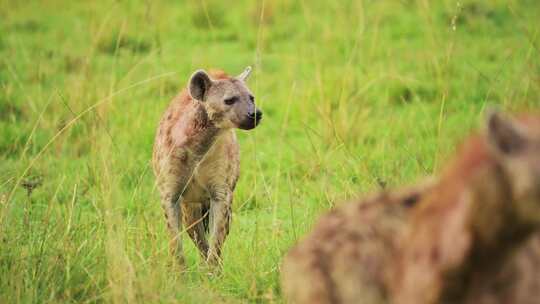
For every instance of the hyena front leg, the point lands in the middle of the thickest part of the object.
(170, 202)
(194, 219)
(172, 182)
(220, 218)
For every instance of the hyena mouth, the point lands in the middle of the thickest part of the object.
(249, 124)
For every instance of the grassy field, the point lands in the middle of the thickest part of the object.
(357, 95)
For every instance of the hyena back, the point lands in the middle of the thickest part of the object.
(344, 259)
(196, 158)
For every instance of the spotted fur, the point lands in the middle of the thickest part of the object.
(345, 257)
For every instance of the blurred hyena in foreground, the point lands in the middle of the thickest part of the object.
(470, 237)
(196, 158)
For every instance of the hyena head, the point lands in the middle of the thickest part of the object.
(516, 146)
(228, 102)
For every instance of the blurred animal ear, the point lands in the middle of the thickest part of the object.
(245, 74)
(199, 84)
(505, 136)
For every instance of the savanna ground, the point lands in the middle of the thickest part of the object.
(357, 95)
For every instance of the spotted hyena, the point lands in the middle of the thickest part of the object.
(462, 238)
(196, 158)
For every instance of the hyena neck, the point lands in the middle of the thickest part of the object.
(496, 225)
(204, 131)
(493, 224)
(484, 187)
(493, 227)
(495, 234)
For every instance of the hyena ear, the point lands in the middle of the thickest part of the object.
(505, 137)
(245, 74)
(199, 84)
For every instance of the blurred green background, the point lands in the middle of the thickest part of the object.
(357, 95)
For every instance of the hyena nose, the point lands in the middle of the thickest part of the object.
(257, 115)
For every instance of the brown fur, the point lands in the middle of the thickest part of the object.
(196, 160)
(516, 281)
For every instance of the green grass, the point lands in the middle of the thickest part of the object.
(356, 95)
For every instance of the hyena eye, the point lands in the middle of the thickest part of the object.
(251, 98)
(231, 100)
